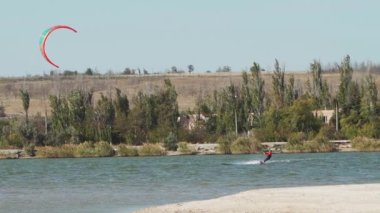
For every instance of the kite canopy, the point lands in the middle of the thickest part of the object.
(45, 35)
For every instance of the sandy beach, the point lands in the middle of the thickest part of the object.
(334, 198)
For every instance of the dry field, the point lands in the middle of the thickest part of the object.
(189, 87)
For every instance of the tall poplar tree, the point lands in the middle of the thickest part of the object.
(258, 94)
(25, 103)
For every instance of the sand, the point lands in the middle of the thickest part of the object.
(334, 198)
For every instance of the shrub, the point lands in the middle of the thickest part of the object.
(104, 149)
(184, 148)
(197, 135)
(65, 151)
(30, 149)
(296, 138)
(245, 145)
(2, 111)
(126, 151)
(319, 144)
(170, 142)
(56, 139)
(327, 131)
(365, 144)
(14, 140)
(149, 149)
(3, 144)
(85, 149)
(225, 143)
(270, 134)
(295, 147)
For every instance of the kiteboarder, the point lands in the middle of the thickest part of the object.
(268, 154)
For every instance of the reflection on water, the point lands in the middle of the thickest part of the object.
(127, 184)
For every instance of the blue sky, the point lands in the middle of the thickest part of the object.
(159, 34)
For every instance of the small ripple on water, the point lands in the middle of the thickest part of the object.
(103, 185)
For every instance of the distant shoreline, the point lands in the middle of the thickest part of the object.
(332, 198)
(201, 149)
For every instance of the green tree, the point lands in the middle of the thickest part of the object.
(290, 93)
(166, 108)
(59, 114)
(278, 85)
(247, 102)
(153, 116)
(89, 71)
(121, 104)
(79, 104)
(104, 118)
(369, 98)
(299, 116)
(25, 102)
(227, 106)
(191, 68)
(140, 120)
(344, 94)
(170, 142)
(2, 111)
(174, 69)
(258, 94)
(370, 124)
(320, 88)
(317, 82)
(28, 133)
(325, 97)
(270, 131)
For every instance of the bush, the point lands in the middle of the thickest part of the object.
(85, 149)
(30, 149)
(197, 135)
(56, 139)
(170, 142)
(225, 143)
(295, 147)
(296, 138)
(14, 140)
(365, 144)
(2, 111)
(65, 151)
(245, 145)
(126, 151)
(329, 132)
(184, 148)
(270, 134)
(319, 144)
(104, 149)
(149, 149)
(370, 129)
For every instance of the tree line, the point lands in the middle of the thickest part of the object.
(284, 112)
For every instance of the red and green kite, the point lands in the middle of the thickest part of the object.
(45, 35)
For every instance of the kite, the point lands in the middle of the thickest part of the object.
(45, 35)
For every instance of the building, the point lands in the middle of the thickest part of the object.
(325, 114)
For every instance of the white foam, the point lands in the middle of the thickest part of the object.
(251, 162)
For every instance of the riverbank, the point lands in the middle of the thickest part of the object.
(336, 198)
(191, 149)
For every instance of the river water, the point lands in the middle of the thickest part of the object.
(127, 184)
